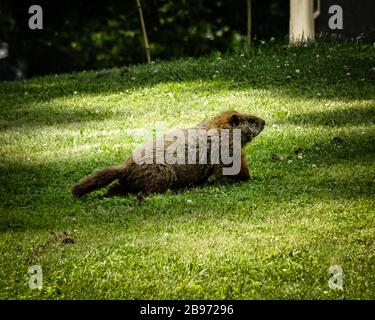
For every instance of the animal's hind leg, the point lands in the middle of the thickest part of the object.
(151, 178)
(116, 189)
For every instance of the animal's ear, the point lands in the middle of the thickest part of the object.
(235, 120)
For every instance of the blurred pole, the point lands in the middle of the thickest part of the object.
(145, 39)
(248, 25)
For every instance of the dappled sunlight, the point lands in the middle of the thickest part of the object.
(309, 204)
(182, 105)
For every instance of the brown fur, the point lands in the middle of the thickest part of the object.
(131, 177)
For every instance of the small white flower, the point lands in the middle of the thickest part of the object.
(363, 79)
(314, 165)
(242, 55)
(75, 92)
(288, 77)
(348, 73)
(170, 94)
(317, 56)
(132, 78)
(189, 201)
(299, 156)
(318, 94)
(272, 39)
(290, 161)
(297, 71)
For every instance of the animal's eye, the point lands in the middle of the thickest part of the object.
(251, 120)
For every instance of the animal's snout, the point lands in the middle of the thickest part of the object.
(261, 124)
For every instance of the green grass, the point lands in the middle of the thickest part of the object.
(272, 238)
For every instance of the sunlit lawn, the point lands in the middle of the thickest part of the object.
(273, 237)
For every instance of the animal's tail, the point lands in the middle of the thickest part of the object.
(98, 179)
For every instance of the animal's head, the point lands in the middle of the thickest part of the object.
(250, 125)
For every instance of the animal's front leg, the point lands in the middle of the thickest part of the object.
(244, 173)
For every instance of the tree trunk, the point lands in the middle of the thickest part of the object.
(145, 39)
(248, 25)
(301, 23)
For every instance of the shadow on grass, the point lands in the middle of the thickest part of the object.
(266, 70)
(38, 190)
(42, 191)
(335, 118)
(44, 116)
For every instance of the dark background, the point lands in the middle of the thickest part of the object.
(85, 34)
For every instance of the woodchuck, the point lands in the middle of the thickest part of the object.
(147, 177)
